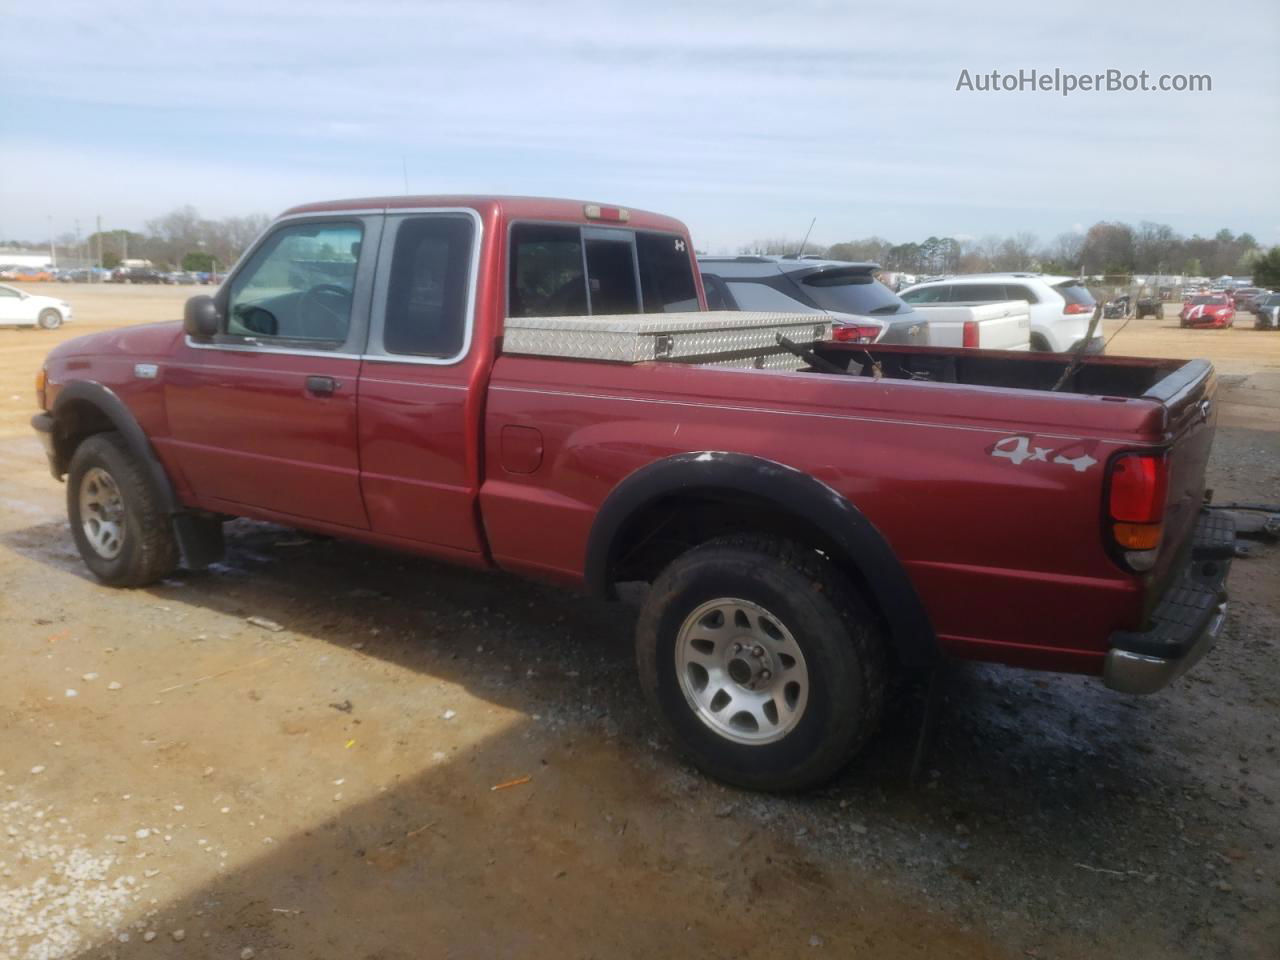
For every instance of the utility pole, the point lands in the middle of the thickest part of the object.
(53, 253)
(124, 245)
(99, 237)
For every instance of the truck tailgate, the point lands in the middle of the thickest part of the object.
(1187, 396)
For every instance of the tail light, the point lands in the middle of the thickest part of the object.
(1077, 308)
(42, 381)
(856, 333)
(970, 333)
(1137, 487)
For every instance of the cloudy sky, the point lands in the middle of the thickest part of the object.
(745, 120)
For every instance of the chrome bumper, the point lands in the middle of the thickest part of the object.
(1186, 622)
(1130, 672)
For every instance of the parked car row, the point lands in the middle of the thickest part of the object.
(100, 275)
(151, 275)
(1043, 313)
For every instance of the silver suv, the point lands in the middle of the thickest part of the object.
(1061, 307)
(862, 308)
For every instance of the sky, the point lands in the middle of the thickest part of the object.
(746, 120)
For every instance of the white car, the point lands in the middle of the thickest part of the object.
(20, 309)
(1061, 307)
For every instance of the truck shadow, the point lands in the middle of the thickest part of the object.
(1024, 773)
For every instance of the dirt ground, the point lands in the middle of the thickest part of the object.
(176, 781)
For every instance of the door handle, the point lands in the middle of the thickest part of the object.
(322, 386)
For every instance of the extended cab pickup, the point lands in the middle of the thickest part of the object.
(803, 531)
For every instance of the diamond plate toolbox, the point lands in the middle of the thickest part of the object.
(721, 337)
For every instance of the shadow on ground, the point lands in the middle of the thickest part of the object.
(1049, 810)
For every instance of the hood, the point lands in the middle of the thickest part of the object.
(45, 301)
(144, 340)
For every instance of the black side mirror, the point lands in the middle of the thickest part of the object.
(200, 318)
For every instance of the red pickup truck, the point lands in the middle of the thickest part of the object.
(803, 531)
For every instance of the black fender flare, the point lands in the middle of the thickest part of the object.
(859, 544)
(122, 419)
(199, 538)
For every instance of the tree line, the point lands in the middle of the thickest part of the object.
(179, 240)
(1108, 247)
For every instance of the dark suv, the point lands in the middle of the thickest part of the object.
(137, 275)
(863, 309)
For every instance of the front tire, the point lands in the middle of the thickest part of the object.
(50, 319)
(762, 662)
(120, 528)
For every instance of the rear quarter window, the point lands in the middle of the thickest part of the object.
(761, 296)
(977, 292)
(1075, 293)
(938, 294)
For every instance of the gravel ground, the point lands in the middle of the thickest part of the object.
(296, 754)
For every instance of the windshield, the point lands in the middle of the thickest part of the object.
(852, 291)
(1202, 301)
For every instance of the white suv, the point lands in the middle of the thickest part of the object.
(1060, 306)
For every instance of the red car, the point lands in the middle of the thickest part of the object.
(528, 385)
(1210, 311)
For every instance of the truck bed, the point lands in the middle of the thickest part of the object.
(1096, 375)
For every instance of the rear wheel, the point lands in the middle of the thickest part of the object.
(50, 319)
(762, 662)
(121, 530)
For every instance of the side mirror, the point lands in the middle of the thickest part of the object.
(200, 318)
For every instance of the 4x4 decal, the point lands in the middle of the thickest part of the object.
(1020, 449)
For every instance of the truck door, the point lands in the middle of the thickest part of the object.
(264, 414)
(420, 397)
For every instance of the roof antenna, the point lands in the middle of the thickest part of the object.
(800, 254)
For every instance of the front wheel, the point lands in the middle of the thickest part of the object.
(50, 319)
(120, 527)
(762, 662)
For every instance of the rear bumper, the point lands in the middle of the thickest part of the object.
(1185, 624)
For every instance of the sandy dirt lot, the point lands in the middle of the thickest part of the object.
(178, 782)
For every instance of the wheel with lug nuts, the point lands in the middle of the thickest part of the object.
(102, 519)
(120, 527)
(50, 319)
(762, 661)
(741, 671)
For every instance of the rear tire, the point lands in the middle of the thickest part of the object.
(762, 662)
(50, 319)
(124, 535)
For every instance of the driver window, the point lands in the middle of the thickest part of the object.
(298, 285)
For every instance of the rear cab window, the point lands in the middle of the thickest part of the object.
(559, 270)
